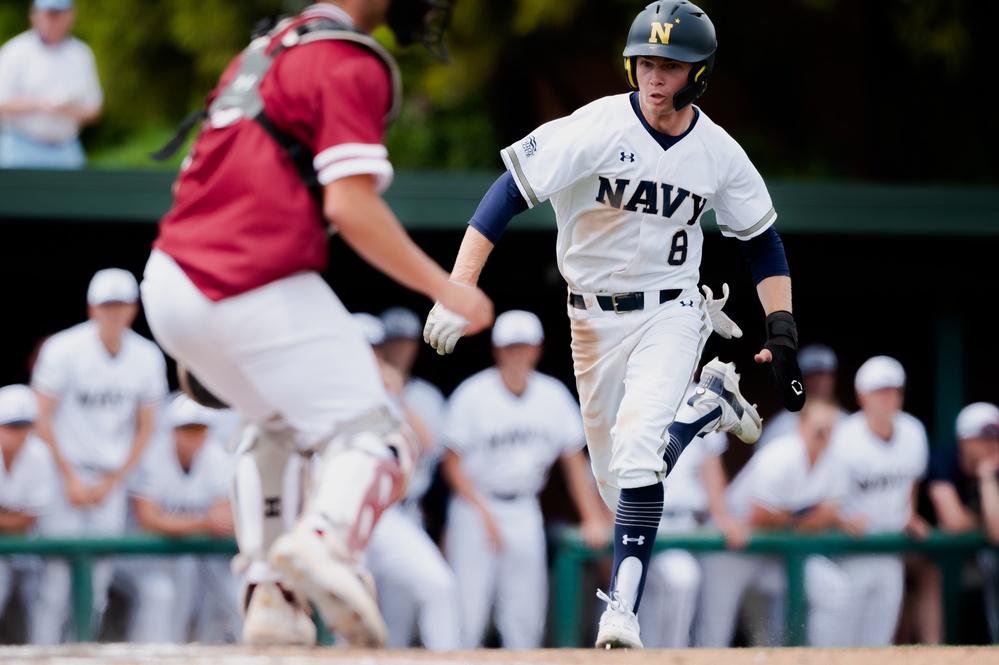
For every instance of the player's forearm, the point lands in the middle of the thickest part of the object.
(15, 522)
(153, 519)
(582, 488)
(775, 294)
(472, 255)
(989, 489)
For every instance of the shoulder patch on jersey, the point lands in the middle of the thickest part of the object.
(530, 145)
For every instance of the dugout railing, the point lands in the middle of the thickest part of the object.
(570, 557)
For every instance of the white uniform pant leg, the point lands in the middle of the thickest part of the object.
(828, 593)
(770, 588)
(475, 566)
(415, 584)
(148, 585)
(288, 349)
(632, 373)
(217, 618)
(877, 583)
(725, 576)
(669, 601)
(522, 583)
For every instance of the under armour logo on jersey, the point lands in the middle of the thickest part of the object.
(686, 303)
(797, 387)
(530, 146)
(640, 540)
(629, 156)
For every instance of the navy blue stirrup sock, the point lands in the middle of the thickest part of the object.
(680, 436)
(635, 526)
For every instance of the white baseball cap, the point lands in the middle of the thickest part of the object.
(517, 327)
(879, 372)
(401, 322)
(18, 405)
(185, 411)
(112, 285)
(978, 420)
(817, 358)
(371, 327)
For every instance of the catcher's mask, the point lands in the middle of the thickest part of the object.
(422, 21)
(678, 30)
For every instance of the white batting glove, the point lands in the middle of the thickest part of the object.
(443, 329)
(723, 325)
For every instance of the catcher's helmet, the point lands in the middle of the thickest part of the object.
(423, 21)
(678, 30)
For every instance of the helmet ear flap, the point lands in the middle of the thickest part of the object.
(629, 69)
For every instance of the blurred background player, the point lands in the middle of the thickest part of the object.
(886, 451)
(505, 426)
(49, 91)
(99, 386)
(28, 485)
(963, 486)
(417, 590)
(795, 484)
(182, 489)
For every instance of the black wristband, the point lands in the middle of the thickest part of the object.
(781, 329)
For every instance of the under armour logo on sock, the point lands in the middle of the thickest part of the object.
(640, 540)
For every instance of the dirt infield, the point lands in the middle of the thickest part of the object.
(131, 654)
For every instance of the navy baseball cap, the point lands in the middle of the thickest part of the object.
(52, 5)
(817, 358)
(401, 322)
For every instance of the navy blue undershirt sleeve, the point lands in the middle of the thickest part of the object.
(765, 256)
(498, 206)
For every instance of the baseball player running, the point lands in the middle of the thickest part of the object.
(629, 177)
(234, 292)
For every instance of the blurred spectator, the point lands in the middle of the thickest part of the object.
(795, 484)
(505, 427)
(886, 450)
(417, 589)
(27, 488)
(182, 489)
(99, 385)
(819, 370)
(963, 487)
(674, 580)
(49, 90)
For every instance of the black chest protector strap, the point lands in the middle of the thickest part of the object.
(241, 97)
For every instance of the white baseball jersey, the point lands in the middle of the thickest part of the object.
(782, 423)
(428, 402)
(508, 443)
(98, 393)
(191, 493)
(882, 473)
(685, 502)
(628, 212)
(30, 484)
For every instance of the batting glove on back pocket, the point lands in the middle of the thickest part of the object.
(443, 329)
(720, 321)
(782, 340)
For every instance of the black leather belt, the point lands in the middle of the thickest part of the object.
(623, 302)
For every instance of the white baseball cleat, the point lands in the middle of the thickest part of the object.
(720, 385)
(273, 620)
(618, 624)
(337, 587)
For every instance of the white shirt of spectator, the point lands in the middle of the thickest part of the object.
(508, 443)
(98, 393)
(29, 69)
(29, 485)
(882, 472)
(780, 478)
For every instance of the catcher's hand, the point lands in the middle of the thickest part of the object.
(720, 321)
(781, 351)
(443, 329)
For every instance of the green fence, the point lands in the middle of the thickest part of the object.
(570, 556)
